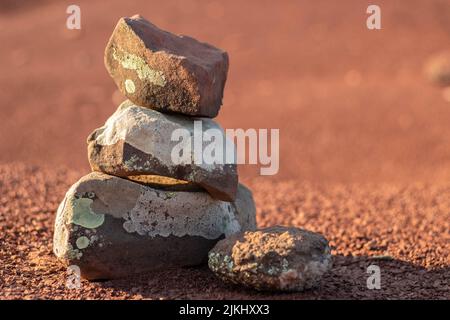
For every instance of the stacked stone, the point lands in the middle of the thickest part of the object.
(139, 210)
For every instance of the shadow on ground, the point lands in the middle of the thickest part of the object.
(347, 280)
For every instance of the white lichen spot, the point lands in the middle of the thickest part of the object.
(131, 164)
(91, 195)
(72, 253)
(170, 195)
(273, 271)
(129, 226)
(129, 86)
(93, 239)
(82, 242)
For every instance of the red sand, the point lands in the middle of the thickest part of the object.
(403, 230)
(365, 156)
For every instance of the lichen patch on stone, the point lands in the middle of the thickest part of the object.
(72, 253)
(152, 133)
(129, 86)
(164, 213)
(144, 72)
(83, 215)
(82, 242)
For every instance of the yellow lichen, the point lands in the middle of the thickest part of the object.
(144, 72)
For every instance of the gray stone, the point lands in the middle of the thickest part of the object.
(163, 71)
(112, 227)
(276, 258)
(137, 141)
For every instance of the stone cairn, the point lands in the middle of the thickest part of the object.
(138, 210)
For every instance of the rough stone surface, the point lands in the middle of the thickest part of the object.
(159, 70)
(274, 258)
(112, 227)
(138, 141)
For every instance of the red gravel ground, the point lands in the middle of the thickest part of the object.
(364, 139)
(403, 230)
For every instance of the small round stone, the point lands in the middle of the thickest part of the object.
(276, 258)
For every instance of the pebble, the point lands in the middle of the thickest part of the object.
(275, 259)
